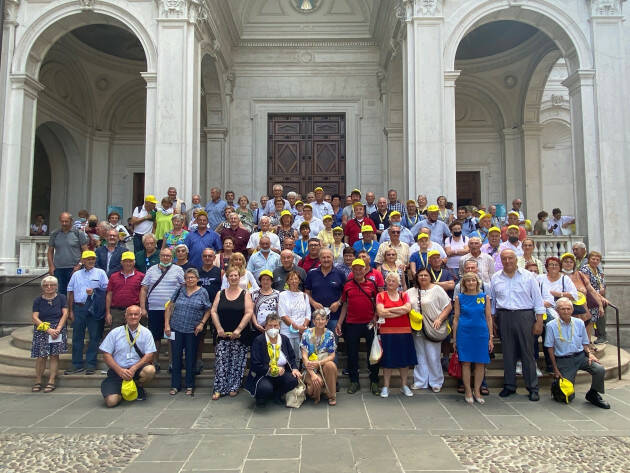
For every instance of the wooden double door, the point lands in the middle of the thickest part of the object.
(307, 151)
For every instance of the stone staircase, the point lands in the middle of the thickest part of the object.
(17, 367)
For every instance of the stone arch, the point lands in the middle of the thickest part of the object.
(536, 86)
(544, 15)
(62, 18)
(212, 86)
(125, 96)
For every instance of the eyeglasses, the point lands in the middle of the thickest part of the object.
(395, 232)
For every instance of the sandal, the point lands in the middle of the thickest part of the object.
(173, 391)
(461, 389)
(37, 387)
(50, 387)
(332, 401)
(216, 396)
(190, 392)
(484, 391)
(233, 393)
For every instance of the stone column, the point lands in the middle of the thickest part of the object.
(533, 197)
(149, 146)
(215, 158)
(177, 118)
(98, 193)
(16, 168)
(513, 167)
(431, 162)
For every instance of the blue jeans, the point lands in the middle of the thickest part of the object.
(187, 342)
(83, 320)
(63, 276)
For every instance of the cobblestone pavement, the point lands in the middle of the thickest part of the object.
(71, 431)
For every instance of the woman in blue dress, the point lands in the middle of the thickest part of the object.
(472, 329)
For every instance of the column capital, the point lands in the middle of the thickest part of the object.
(512, 133)
(450, 77)
(11, 8)
(150, 78)
(192, 11)
(582, 77)
(532, 129)
(215, 132)
(609, 9)
(30, 85)
(421, 8)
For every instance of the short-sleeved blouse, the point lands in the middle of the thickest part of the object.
(50, 310)
(403, 320)
(264, 304)
(174, 240)
(313, 344)
(189, 310)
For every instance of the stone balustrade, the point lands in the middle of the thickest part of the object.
(33, 258)
(546, 246)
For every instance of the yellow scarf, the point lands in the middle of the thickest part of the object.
(274, 356)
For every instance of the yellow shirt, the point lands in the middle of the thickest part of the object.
(326, 237)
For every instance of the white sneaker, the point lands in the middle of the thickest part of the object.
(406, 391)
(538, 372)
(416, 386)
(384, 391)
(436, 389)
(519, 368)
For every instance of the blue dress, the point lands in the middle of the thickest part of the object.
(472, 329)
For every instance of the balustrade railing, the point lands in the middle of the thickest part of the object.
(32, 258)
(546, 246)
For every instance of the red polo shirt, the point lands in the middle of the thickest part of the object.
(241, 237)
(353, 228)
(307, 263)
(360, 307)
(125, 290)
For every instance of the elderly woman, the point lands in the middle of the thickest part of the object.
(527, 245)
(472, 333)
(294, 310)
(273, 370)
(244, 213)
(444, 214)
(163, 220)
(555, 285)
(318, 357)
(435, 306)
(231, 312)
(50, 311)
(247, 280)
(584, 287)
(150, 255)
(265, 300)
(181, 257)
(177, 234)
(222, 259)
(278, 205)
(389, 266)
(597, 305)
(396, 337)
(186, 315)
(455, 246)
(284, 228)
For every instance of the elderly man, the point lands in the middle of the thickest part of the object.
(440, 274)
(179, 207)
(149, 256)
(422, 204)
(413, 217)
(215, 208)
(395, 243)
(108, 256)
(287, 264)
(492, 247)
(432, 245)
(393, 204)
(485, 223)
(579, 250)
(513, 243)
(568, 346)
(158, 285)
(201, 239)
(64, 251)
(484, 261)
(324, 286)
(439, 229)
(516, 207)
(83, 295)
(380, 216)
(348, 211)
(320, 206)
(395, 218)
(558, 224)
(358, 313)
(311, 259)
(264, 258)
(239, 234)
(142, 220)
(352, 230)
(315, 224)
(196, 204)
(495, 220)
(370, 206)
(127, 362)
(367, 243)
(265, 230)
(269, 206)
(123, 290)
(512, 220)
(518, 305)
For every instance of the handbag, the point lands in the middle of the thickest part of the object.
(297, 395)
(454, 366)
(376, 351)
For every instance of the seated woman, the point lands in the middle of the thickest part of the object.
(273, 370)
(318, 356)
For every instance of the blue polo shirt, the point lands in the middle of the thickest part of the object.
(326, 289)
(197, 243)
(372, 249)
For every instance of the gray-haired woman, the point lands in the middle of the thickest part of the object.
(177, 235)
(50, 311)
(181, 257)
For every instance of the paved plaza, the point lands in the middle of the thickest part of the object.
(71, 430)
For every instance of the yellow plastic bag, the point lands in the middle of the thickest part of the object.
(129, 390)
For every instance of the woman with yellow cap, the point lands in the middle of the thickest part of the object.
(284, 228)
(265, 300)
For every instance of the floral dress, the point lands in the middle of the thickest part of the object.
(173, 240)
(598, 282)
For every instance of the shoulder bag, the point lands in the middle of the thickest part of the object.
(432, 334)
(155, 285)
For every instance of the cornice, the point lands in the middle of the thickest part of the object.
(294, 44)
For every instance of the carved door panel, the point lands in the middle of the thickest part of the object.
(306, 151)
(468, 188)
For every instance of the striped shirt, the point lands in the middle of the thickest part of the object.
(163, 291)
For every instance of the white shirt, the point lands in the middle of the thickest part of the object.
(316, 225)
(319, 210)
(433, 246)
(560, 222)
(254, 239)
(145, 226)
(117, 345)
(294, 305)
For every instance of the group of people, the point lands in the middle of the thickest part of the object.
(284, 280)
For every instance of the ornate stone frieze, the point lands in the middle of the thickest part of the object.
(11, 10)
(407, 9)
(86, 4)
(194, 11)
(606, 7)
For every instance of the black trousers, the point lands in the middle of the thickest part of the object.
(516, 337)
(270, 387)
(570, 366)
(352, 334)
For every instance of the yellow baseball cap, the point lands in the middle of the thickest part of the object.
(128, 255)
(357, 204)
(432, 253)
(433, 208)
(358, 262)
(337, 229)
(318, 189)
(265, 272)
(483, 215)
(512, 212)
(327, 217)
(88, 254)
(422, 235)
(567, 255)
(285, 212)
(355, 191)
(395, 213)
(513, 227)
(366, 228)
(298, 202)
(415, 320)
(308, 206)
(150, 198)
(494, 229)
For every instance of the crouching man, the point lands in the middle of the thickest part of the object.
(568, 346)
(128, 351)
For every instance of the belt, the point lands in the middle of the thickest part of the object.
(569, 356)
(119, 308)
(79, 303)
(517, 310)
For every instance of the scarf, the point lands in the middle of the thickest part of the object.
(273, 350)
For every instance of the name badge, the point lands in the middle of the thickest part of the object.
(360, 236)
(381, 226)
(129, 355)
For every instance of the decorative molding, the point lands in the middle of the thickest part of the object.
(306, 7)
(195, 11)
(228, 81)
(606, 8)
(305, 44)
(428, 8)
(381, 80)
(11, 10)
(30, 85)
(582, 77)
(86, 4)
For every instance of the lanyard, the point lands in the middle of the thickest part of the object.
(370, 248)
(382, 218)
(424, 262)
(131, 343)
(303, 248)
(560, 331)
(436, 279)
(338, 252)
(412, 222)
(443, 215)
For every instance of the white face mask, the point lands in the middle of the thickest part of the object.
(273, 332)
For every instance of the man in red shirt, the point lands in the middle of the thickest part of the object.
(123, 290)
(311, 260)
(370, 273)
(238, 234)
(353, 227)
(358, 313)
